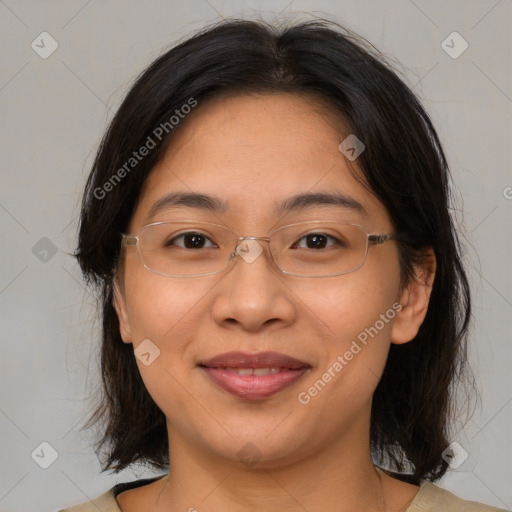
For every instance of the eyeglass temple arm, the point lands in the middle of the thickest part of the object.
(128, 240)
(380, 239)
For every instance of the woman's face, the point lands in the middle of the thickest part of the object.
(253, 153)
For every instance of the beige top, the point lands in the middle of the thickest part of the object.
(429, 498)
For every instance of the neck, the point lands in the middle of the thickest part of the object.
(341, 478)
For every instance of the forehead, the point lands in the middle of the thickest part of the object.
(254, 153)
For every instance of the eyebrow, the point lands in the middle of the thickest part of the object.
(307, 200)
(214, 204)
(187, 199)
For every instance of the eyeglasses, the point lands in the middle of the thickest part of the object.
(187, 248)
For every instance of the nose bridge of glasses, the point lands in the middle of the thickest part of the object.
(249, 248)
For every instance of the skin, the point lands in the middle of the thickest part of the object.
(253, 152)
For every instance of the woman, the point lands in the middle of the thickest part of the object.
(284, 305)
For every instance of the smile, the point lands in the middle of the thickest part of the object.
(254, 376)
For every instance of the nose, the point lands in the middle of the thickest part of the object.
(252, 295)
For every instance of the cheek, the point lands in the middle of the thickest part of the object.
(167, 312)
(347, 305)
(360, 318)
(160, 307)
(356, 312)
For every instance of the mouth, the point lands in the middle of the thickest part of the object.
(254, 376)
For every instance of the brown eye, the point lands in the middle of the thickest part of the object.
(315, 241)
(190, 241)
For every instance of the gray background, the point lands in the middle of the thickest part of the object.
(54, 112)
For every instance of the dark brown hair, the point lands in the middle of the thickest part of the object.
(403, 165)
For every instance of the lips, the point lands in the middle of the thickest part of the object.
(254, 376)
(260, 360)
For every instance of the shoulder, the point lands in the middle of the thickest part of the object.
(432, 498)
(106, 503)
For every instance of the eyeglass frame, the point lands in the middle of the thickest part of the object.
(371, 238)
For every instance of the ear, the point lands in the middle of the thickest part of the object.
(119, 303)
(414, 300)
